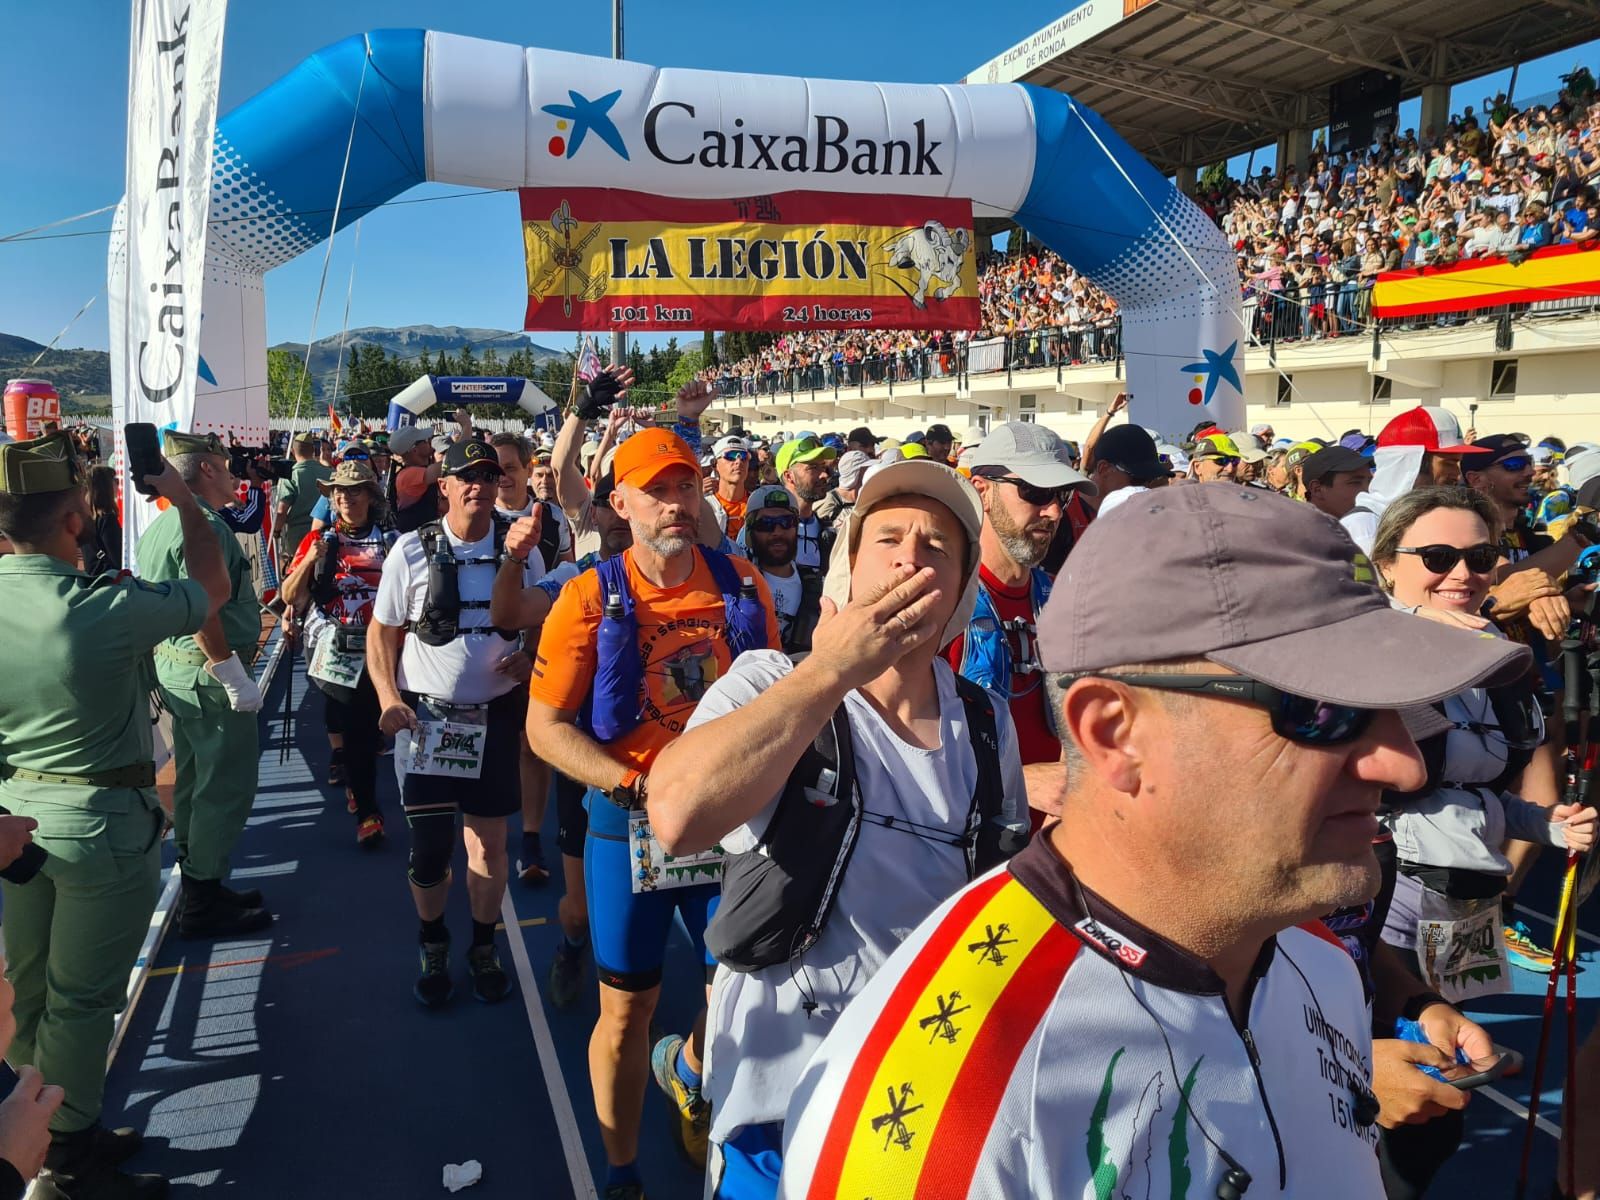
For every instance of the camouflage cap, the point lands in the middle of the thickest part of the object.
(47, 464)
(174, 443)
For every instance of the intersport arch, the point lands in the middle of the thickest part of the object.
(407, 106)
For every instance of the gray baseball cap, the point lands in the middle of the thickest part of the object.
(1261, 584)
(405, 438)
(1030, 452)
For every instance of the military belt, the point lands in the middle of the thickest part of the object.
(135, 775)
(197, 657)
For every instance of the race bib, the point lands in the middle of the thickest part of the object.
(330, 664)
(655, 870)
(452, 748)
(1462, 948)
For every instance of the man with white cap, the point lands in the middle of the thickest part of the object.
(1251, 455)
(1024, 488)
(852, 471)
(730, 463)
(1145, 994)
(937, 797)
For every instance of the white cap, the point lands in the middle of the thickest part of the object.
(730, 442)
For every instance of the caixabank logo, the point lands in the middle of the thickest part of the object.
(577, 120)
(673, 134)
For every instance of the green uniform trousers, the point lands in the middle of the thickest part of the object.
(216, 753)
(73, 933)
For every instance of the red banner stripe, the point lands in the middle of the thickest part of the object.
(896, 1012)
(750, 312)
(1456, 304)
(793, 208)
(979, 1087)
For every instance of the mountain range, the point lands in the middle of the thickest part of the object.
(84, 376)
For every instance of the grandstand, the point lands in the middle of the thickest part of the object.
(1350, 198)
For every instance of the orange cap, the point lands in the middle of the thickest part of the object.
(648, 453)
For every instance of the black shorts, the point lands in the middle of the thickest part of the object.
(497, 792)
(572, 819)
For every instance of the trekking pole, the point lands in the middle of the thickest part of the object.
(285, 736)
(1566, 915)
(1569, 1083)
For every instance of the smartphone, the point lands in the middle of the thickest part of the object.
(144, 454)
(1476, 1072)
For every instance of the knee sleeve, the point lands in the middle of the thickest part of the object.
(433, 840)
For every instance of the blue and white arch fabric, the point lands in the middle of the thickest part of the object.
(433, 106)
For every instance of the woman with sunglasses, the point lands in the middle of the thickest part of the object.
(333, 580)
(1436, 554)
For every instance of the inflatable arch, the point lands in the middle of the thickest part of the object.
(405, 106)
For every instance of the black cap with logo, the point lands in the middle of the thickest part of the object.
(470, 454)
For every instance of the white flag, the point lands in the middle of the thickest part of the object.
(156, 264)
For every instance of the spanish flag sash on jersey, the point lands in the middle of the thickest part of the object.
(923, 1091)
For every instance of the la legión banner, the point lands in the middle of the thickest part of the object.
(601, 258)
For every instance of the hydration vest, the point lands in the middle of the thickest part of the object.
(324, 577)
(440, 623)
(613, 709)
(985, 649)
(777, 898)
(549, 529)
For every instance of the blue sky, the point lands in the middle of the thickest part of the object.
(453, 261)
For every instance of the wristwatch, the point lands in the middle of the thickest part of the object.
(630, 792)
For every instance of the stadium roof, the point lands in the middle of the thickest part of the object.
(1191, 82)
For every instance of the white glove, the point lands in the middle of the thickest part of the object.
(244, 694)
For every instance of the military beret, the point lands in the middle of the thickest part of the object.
(175, 443)
(47, 464)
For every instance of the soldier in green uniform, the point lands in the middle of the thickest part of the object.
(75, 756)
(206, 686)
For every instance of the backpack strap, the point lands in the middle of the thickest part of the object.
(985, 825)
(746, 616)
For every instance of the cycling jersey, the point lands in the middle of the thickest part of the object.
(1011, 1048)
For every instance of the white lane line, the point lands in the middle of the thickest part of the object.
(1511, 1106)
(1551, 921)
(560, 1101)
(162, 917)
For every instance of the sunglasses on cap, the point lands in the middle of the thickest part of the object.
(734, 455)
(1296, 718)
(1033, 494)
(1441, 559)
(768, 524)
(475, 475)
(355, 456)
(1514, 463)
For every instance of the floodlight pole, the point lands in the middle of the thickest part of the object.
(619, 341)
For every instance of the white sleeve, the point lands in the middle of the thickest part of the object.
(752, 673)
(393, 603)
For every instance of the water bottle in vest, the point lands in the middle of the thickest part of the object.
(322, 582)
(444, 592)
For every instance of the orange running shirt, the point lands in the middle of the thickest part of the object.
(735, 510)
(681, 644)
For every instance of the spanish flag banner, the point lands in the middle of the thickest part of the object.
(600, 258)
(1554, 273)
(931, 1074)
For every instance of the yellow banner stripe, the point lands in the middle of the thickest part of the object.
(914, 1080)
(1557, 272)
(671, 266)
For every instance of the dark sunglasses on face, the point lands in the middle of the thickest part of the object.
(1516, 463)
(735, 455)
(1297, 718)
(473, 475)
(768, 524)
(1037, 496)
(1441, 559)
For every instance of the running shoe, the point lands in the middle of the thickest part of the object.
(1526, 953)
(566, 975)
(490, 983)
(693, 1125)
(350, 802)
(369, 834)
(532, 872)
(433, 986)
(335, 767)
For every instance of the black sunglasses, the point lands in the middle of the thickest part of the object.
(1297, 718)
(1515, 463)
(768, 524)
(474, 475)
(1441, 559)
(1032, 494)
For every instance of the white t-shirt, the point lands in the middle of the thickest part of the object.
(756, 1024)
(785, 599)
(462, 671)
(808, 543)
(565, 543)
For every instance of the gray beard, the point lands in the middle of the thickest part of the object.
(666, 547)
(1020, 550)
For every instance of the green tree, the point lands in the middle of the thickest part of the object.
(686, 368)
(467, 362)
(491, 362)
(288, 385)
